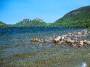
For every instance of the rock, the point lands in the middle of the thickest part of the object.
(85, 31)
(79, 33)
(37, 40)
(57, 39)
(69, 40)
(74, 45)
(60, 42)
(62, 37)
(87, 42)
(81, 43)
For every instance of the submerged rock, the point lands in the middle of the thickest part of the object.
(37, 40)
(57, 39)
(72, 39)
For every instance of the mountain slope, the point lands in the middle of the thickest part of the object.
(29, 23)
(76, 18)
(2, 24)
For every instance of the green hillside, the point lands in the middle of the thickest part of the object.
(76, 18)
(2, 24)
(30, 23)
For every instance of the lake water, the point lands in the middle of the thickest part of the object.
(17, 50)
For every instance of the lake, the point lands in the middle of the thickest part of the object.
(17, 50)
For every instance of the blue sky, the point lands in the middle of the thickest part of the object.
(12, 11)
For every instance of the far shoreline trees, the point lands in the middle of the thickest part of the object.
(79, 18)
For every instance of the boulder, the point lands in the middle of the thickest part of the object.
(57, 39)
(87, 42)
(81, 43)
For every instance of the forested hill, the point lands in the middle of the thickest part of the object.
(30, 23)
(76, 18)
(2, 24)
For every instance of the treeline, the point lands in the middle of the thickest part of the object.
(76, 18)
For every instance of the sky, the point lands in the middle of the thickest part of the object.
(12, 11)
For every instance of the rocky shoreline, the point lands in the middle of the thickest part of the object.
(74, 39)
